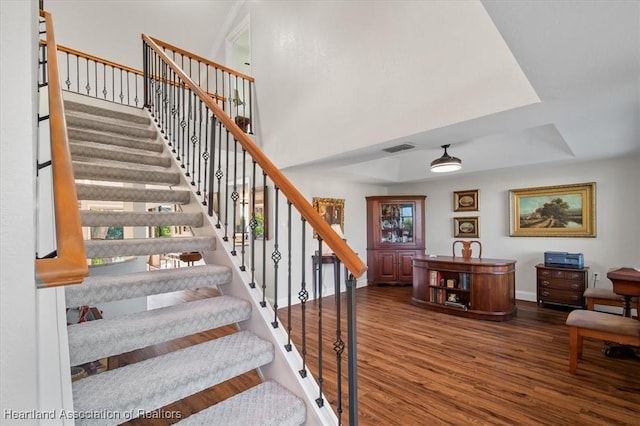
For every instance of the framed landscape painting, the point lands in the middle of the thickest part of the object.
(331, 209)
(554, 211)
(466, 227)
(465, 201)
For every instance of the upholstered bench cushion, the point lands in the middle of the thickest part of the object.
(601, 321)
(602, 293)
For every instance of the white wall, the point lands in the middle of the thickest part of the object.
(618, 222)
(18, 315)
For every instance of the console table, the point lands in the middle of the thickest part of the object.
(317, 261)
(472, 287)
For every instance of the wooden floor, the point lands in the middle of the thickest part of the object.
(418, 367)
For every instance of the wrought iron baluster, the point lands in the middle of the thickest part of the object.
(303, 296)
(201, 170)
(121, 94)
(320, 399)
(104, 74)
(243, 219)
(186, 147)
(253, 224)
(263, 302)
(212, 149)
(136, 99)
(250, 130)
(226, 191)
(276, 256)
(219, 176)
(234, 195)
(95, 70)
(287, 346)
(352, 357)
(68, 80)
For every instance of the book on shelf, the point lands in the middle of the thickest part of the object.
(464, 281)
(451, 283)
(433, 278)
(442, 295)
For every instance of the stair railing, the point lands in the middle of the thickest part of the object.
(68, 263)
(226, 169)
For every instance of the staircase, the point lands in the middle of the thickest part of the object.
(119, 155)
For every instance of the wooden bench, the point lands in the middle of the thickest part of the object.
(606, 296)
(600, 326)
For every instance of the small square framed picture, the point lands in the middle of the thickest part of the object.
(465, 201)
(466, 227)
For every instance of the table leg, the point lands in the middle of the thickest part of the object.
(626, 311)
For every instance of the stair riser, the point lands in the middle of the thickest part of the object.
(118, 193)
(117, 174)
(137, 116)
(91, 218)
(93, 340)
(147, 246)
(156, 382)
(108, 139)
(100, 289)
(78, 150)
(108, 127)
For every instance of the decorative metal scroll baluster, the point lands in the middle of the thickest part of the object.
(77, 74)
(319, 400)
(104, 81)
(183, 127)
(68, 80)
(253, 225)
(219, 176)
(287, 346)
(338, 347)
(276, 256)
(95, 78)
(235, 196)
(243, 219)
(202, 170)
(212, 149)
(226, 197)
(303, 296)
(263, 303)
(189, 140)
(121, 94)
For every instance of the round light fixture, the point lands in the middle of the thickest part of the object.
(446, 163)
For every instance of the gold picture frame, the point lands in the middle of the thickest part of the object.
(466, 227)
(331, 209)
(554, 211)
(466, 201)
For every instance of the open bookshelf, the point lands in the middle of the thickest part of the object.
(476, 288)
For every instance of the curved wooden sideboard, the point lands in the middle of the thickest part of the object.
(474, 288)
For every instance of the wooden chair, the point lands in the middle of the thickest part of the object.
(599, 326)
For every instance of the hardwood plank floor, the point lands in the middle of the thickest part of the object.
(419, 367)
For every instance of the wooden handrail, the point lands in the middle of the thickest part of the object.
(112, 64)
(329, 236)
(201, 59)
(70, 265)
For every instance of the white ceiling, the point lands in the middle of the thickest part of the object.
(581, 59)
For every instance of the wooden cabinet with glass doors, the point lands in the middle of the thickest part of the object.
(395, 235)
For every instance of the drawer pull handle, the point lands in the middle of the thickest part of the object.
(545, 283)
(545, 293)
(575, 286)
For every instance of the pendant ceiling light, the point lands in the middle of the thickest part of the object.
(446, 163)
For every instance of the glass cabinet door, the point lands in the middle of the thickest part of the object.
(397, 222)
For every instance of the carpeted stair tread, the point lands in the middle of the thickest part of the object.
(109, 125)
(133, 115)
(147, 246)
(114, 218)
(267, 404)
(120, 173)
(108, 288)
(84, 135)
(117, 153)
(159, 381)
(119, 193)
(92, 340)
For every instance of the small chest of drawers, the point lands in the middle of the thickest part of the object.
(561, 286)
